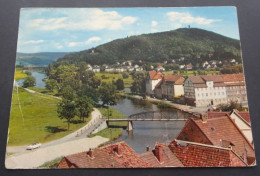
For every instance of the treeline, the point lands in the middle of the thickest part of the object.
(158, 47)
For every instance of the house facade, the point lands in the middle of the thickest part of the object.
(153, 78)
(236, 88)
(206, 90)
(172, 86)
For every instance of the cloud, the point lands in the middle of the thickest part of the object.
(184, 17)
(33, 42)
(154, 23)
(84, 19)
(87, 42)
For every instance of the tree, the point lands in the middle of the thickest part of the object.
(29, 82)
(50, 84)
(125, 75)
(138, 85)
(67, 110)
(84, 107)
(68, 93)
(107, 93)
(119, 84)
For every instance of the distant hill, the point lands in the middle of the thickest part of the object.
(157, 47)
(38, 59)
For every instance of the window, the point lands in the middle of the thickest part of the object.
(206, 94)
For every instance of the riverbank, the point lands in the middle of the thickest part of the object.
(166, 103)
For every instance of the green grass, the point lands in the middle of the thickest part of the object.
(44, 91)
(191, 72)
(41, 122)
(111, 133)
(19, 74)
(51, 164)
(112, 76)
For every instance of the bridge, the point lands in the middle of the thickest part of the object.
(150, 116)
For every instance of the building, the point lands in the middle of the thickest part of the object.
(236, 88)
(153, 78)
(172, 86)
(160, 68)
(206, 90)
(193, 154)
(242, 120)
(96, 68)
(161, 156)
(118, 155)
(188, 66)
(220, 132)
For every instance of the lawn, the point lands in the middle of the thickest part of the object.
(111, 133)
(41, 122)
(191, 72)
(113, 77)
(19, 74)
(44, 91)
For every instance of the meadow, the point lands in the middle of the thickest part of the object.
(38, 120)
(113, 77)
(19, 73)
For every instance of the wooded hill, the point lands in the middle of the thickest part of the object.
(157, 47)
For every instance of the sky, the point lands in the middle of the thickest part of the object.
(76, 29)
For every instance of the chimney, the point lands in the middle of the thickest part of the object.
(148, 148)
(203, 118)
(90, 153)
(159, 153)
(117, 149)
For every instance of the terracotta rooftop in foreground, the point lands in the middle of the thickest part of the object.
(118, 155)
(200, 155)
(161, 156)
(218, 132)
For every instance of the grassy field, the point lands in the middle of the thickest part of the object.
(113, 77)
(44, 91)
(111, 133)
(19, 74)
(191, 72)
(41, 122)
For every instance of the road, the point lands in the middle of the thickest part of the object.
(72, 143)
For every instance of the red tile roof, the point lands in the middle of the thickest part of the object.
(224, 128)
(201, 155)
(244, 115)
(176, 79)
(126, 157)
(169, 158)
(233, 77)
(117, 155)
(211, 114)
(200, 81)
(154, 75)
(101, 159)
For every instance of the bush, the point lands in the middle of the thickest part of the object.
(125, 75)
(29, 82)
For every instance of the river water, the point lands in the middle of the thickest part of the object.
(145, 132)
(39, 78)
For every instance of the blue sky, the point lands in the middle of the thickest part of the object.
(76, 29)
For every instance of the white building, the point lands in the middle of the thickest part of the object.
(202, 91)
(96, 68)
(160, 68)
(153, 78)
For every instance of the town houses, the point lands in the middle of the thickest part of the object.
(210, 140)
(199, 91)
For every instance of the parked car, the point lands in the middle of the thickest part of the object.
(33, 146)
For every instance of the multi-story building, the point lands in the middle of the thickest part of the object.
(172, 85)
(206, 90)
(236, 88)
(153, 78)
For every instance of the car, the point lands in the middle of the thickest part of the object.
(33, 146)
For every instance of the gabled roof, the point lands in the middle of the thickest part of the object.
(101, 159)
(200, 81)
(211, 114)
(118, 155)
(224, 128)
(176, 79)
(154, 75)
(169, 158)
(127, 156)
(243, 115)
(233, 77)
(193, 154)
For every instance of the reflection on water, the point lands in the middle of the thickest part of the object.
(148, 132)
(39, 78)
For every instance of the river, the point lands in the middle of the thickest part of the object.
(145, 133)
(39, 78)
